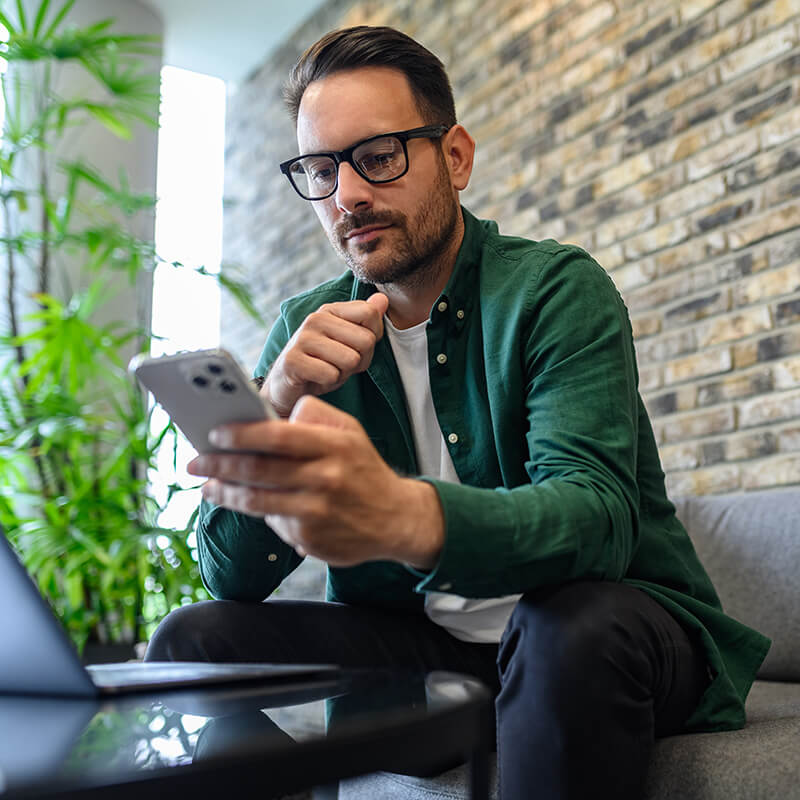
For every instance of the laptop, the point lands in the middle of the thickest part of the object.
(37, 658)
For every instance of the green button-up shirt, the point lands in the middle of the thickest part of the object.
(534, 381)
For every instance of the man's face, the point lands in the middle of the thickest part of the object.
(386, 233)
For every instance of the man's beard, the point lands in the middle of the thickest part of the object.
(415, 260)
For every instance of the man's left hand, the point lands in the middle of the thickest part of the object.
(323, 488)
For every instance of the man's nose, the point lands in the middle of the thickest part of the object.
(353, 192)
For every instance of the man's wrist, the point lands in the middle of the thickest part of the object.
(421, 534)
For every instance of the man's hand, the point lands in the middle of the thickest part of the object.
(323, 488)
(333, 343)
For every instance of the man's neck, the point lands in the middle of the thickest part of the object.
(410, 305)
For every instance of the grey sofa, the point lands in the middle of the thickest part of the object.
(750, 545)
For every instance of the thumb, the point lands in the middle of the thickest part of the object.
(311, 410)
(380, 301)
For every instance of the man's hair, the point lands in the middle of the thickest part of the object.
(365, 46)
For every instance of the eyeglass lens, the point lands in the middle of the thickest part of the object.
(377, 160)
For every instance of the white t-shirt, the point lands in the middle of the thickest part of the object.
(471, 620)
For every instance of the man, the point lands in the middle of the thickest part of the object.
(481, 476)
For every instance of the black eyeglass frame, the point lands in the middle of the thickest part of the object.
(346, 156)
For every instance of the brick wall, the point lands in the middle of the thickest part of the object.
(664, 138)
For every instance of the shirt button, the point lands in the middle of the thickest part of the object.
(272, 557)
(452, 438)
(442, 306)
(445, 586)
(441, 358)
(460, 314)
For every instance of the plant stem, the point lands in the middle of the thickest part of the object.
(11, 287)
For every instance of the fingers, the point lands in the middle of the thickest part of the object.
(366, 313)
(317, 430)
(256, 501)
(333, 343)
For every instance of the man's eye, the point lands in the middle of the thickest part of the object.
(319, 171)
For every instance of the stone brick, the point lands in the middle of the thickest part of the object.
(751, 445)
(734, 326)
(655, 81)
(728, 39)
(645, 325)
(665, 235)
(698, 308)
(650, 377)
(627, 172)
(696, 86)
(756, 53)
(787, 312)
(774, 14)
(787, 373)
(600, 111)
(666, 346)
(654, 31)
(696, 250)
(595, 17)
(720, 156)
(699, 365)
(679, 457)
(763, 166)
(776, 407)
(776, 471)
(699, 423)
(767, 285)
(718, 479)
(695, 195)
(691, 9)
(639, 273)
(785, 249)
(614, 79)
(650, 135)
(748, 263)
(620, 227)
(584, 162)
(775, 221)
(610, 258)
(777, 346)
(763, 108)
(713, 453)
(684, 398)
(780, 129)
(783, 189)
(735, 386)
(789, 439)
(722, 214)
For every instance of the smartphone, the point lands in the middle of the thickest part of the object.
(201, 390)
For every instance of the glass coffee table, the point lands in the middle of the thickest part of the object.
(259, 740)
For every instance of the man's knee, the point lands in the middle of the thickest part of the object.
(568, 631)
(187, 633)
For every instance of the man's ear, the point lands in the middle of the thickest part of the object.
(459, 152)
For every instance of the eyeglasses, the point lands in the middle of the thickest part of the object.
(379, 159)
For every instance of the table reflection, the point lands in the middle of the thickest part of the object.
(48, 741)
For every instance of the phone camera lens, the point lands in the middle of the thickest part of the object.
(199, 380)
(229, 387)
(215, 369)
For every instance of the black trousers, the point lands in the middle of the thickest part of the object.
(586, 676)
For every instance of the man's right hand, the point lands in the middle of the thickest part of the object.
(333, 343)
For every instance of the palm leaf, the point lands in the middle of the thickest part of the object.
(40, 15)
(59, 18)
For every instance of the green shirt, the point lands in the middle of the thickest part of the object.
(534, 381)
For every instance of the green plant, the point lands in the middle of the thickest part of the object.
(75, 433)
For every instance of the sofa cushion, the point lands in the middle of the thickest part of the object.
(750, 546)
(759, 761)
